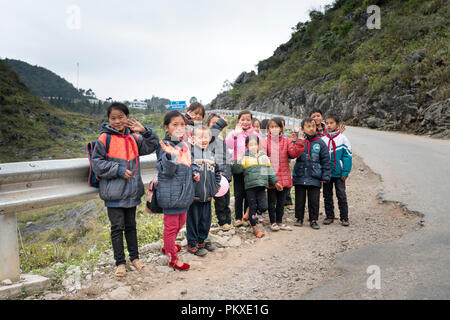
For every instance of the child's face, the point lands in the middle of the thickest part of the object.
(253, 146)
(176, 127)
(331, 125)
(309, 128)
(212, 121)
(118, 120)
(202, 138)
(257, 126)
(274, 129)
(197, 115)
(245, 121)
(317, 117)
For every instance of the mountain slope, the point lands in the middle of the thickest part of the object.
(30, 127)
(394, 78)
(42, 82)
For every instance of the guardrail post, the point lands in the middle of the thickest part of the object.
(9, 248)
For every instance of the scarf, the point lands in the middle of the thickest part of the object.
(333, 144)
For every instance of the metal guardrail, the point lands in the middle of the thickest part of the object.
(36, 184)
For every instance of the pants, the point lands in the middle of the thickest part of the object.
(288, 201)
(123, 220)
(276, 204)
(172, 226)
(257, 202)
(240, 196)
(198, 222)
(223, 211)
(341, 196)
(313, 202)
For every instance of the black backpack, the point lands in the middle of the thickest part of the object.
(93, 180)
(152, 201)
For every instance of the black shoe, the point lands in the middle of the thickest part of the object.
(298, 223)
(345, 222)
(328, 220)
(314, 225)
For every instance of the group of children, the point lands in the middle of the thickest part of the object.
(192, 159)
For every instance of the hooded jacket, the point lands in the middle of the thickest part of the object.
(280, 149)
(209, 183)
(123, 155)
(314, 164)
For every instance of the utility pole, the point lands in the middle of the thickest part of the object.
(78, 74)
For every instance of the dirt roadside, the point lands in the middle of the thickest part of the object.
(283, 265)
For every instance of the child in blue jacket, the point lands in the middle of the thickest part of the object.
(310, 170)
(341, 165)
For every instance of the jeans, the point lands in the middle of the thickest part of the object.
(223, 211)
(123, 220)
(341, 196)
(198, 222)
(313, 202)
(277, 200)
(257, 203)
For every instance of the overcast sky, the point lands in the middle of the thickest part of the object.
(173, 49)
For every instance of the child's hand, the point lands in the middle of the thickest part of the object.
(237, 130)
(128, 174)
(341, 127)
(279, 186)
(136, 126)
(301, 136)
(343, 178)
(293, 136)
(168, 148)
(296, 128)
(197, 177)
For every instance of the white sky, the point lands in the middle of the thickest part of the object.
(173, 49)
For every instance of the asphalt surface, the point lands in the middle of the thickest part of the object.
(415, 171)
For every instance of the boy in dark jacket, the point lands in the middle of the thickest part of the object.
(198, 220)
(311, 169)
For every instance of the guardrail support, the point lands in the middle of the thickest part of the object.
(9, 248)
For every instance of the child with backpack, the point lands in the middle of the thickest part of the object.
(311, 169)
(280, 149)
(199, 213)
(176, 176)
(341, 165)
(258, 176)
(115, 161)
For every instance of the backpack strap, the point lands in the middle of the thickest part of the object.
(108, 143)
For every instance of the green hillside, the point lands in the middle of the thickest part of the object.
(394, 78)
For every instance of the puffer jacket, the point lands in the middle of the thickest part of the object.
(123, 154)
(257, 170)
(209, 183)
(314, 164)
(280, 149)
(175, 191)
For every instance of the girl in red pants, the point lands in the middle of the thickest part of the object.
(175, 191)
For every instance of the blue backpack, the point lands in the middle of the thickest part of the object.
(93, 180)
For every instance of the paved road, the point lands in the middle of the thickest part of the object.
(416, 172)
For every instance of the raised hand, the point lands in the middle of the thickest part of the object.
(293, 136)
(296, 128)
(168, 148)
(135, 126)
(237, 130)
(341, 127)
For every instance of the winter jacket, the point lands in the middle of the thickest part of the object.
(314, 164)
(280, 149)
(175, 191)
(237, 143)
(220, 150)
(340, 154)
(257, 170)
(209, 183)
(123, 154)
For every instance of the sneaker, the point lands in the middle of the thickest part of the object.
(197, 251)
(226, 227)
(238, 223)
(345, 222)
(314, 225)
(298, 223)
(274, 227)
(328, 220)
(285, 227)
(208, 246)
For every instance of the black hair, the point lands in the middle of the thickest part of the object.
(307, 120)
(170, 115)
(254, 121)
(118, 106)
(333, 116)
(315, 111)
(210, 117)
(265, 123)
(278, 120)
(196, 105)
(251, 137)
(243, 112)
